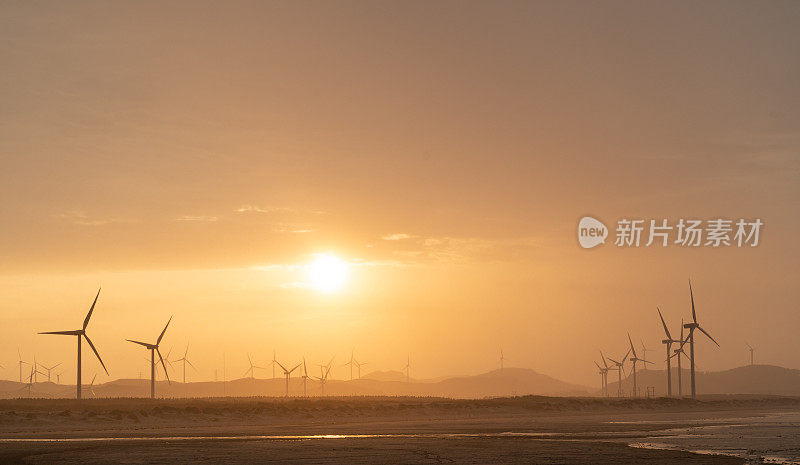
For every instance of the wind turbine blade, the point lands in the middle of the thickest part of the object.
(137, 342)
(631, 343)
(162, 363)
(691, 294)
(295, 367)
(95, 352)
(614, 361)
(598, 366)
(305, 369)
(89, 315)
(604, 359)
(709, 336)
(93, 378)
(190, 364)
(249, 359)
(626, 355)
(64, 333)
(185, 353)
(279, 364)
(664, 324)
(246, 372)
(164, 331)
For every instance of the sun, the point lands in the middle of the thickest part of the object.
(328, 273)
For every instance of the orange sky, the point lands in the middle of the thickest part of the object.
(189, 157)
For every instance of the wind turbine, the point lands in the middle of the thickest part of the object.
(153, 348)
(668, 343)
(620, 370)
(185, 360)
(749, 347)
(273, 363)
(605, 371)
(81, 333)
(288, 373)
(691, 327)
(677, 353)
(21, 362)
(305, 377)
(360, 364)
(601, 371)
(635, 359)
(251, 370)
(90, 387)
(323, 375)
(351, 363)
(407, 368)
(502, 360)
(50, 369)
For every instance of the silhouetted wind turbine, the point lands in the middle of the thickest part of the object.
(288, 373)
(81, 333)
(305, 377)
(691, 327)
(359, 364)
(252, 369)
(153, 348)
(50, 369)
(668, 343)
(185, 360)
(351, 363)
(502, 360)
(601, 371)
(605, 371)
(635, 359)
(620, 370)
(273, 362)
(324, 370)
(677, 353)
(407, 368)
(749, 347)
(21, 362)
(90, 387)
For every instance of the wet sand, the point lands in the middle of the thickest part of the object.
(543, 430)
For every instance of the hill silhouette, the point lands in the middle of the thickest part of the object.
(750, 379)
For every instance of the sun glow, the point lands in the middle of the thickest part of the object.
(328, 273)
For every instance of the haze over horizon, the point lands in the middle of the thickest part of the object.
(196, 160)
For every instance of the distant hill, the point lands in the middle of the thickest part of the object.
(506, 382)
(391, 375)
(750, 379)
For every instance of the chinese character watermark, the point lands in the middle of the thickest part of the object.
(716, 232)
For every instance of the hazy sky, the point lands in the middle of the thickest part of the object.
(192, 157)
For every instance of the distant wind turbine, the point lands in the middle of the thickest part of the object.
(305, 377)
(252, 369)
(502, 360)
(185, 360)
(633, 360)
(49, 369)
(677, 353)
(351, 362)
(287, 373)
(620, 367)
(751, 349)
(668, 343)
(153, 348)
(691, 327)
(21, 362)
(324, 370)
(407, 368)
(81, 333)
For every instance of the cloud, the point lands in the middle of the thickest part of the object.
(396, 237)
(80, 218)
(200, 218)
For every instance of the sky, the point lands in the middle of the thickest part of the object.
(193, 158)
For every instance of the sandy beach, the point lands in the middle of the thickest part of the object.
(366, 430)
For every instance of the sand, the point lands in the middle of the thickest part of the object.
(553, 430)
